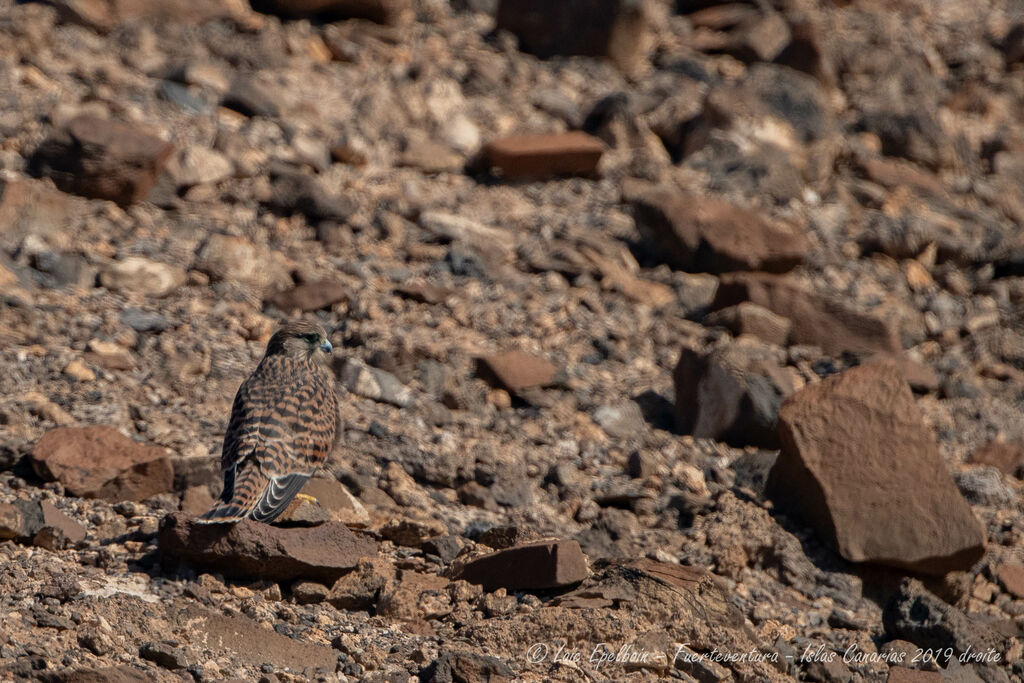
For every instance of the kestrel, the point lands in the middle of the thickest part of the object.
(284, 422)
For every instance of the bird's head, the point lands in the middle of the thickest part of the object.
(301, 340)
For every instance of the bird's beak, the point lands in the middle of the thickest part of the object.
(326, 347)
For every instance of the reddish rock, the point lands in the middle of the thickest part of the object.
(13, 522)
(101, 462)
(754, 320)
(1012, 578)
(424, 293)
(896, 173)
(341, 505)
(817, 320)
(34, 207)
(859, 463)
(536, 566)
(252, 550)
(1006, 456)
(105, 15)
(920, 377)
(516, 370)
(545, 155)
(311, 296)
(593, 28)
(732, 394)
(901, 674)
(414, 595)
(102, 159)
(380, 11)
(57, 520)
(110, 674)
(705, 234)
(469, 667)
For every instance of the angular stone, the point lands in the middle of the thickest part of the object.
(516, 370)
(251, 550)
(105, 15)
(380, 11)
(921, 378)
(311, 296)
(336, 499)
(102, 159)
(197, 165)
(1011, 576)
(705, 234)
(901, 674)
(414, 595)
(34, 207)
(371, 382)
(536, 566)
(920, 617)
(101, 462)
(110, 674)
(593, 28)
(53, 518)
(757, 321)
(360, 589)
(544, 155)
(859, 463)
(138, 274)
(817, 320)
(235, 259)
(732, 394)
(1006, 456)
(469, 667)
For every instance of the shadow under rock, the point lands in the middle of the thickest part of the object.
(657, 410)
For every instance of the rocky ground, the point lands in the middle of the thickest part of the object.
(673, 339)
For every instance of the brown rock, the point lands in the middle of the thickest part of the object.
(380, 11)
(196, 500)
(13, 522)
(594, 28)
(705, 234)
(336, 499)
(110, 674)
(55, 519)
(901, 674)
(311, 296)
(732, 394)
(469, 667)
(424, 292)
(102, 159)
(543, 156)
(516, 370)
(501, 537)
(894, 173)
(859, 463)
(360, 589)
(141, 275)
(1006, 456)
(309, 592)
(757, 321)
(261, 551)
(100, 462)
(920, 377)
(536, 566)
(414, 595)
(105, 15)
(1013, 44)
(234, 259)
(817, 320)
(304, 512)
(34, 207)
(1012, 578)
(412, 533)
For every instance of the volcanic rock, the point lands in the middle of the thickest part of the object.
(817, 320)
(545, 155)
(100, 462)
(861, 466)
(516, 370)
(536, 566)
(698, 233)
(102, 159)
(260, 551)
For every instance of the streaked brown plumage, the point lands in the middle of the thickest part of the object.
(284, 422)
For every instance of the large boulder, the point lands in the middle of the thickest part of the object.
(860, 465)
(101, 462)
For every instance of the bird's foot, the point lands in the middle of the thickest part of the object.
(306, 497)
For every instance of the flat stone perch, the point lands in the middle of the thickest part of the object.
(253, 550)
